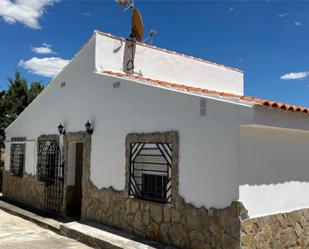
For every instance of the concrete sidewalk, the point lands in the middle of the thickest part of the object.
(18, 233)
(92, 234)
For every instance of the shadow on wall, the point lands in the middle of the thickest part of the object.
(129, 58)
(274, 172)
(273, 156)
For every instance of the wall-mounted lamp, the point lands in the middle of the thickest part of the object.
(89, 128)
(61, 129)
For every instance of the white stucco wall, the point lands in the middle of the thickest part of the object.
(274, 169)
(113, 54)
(208, 145)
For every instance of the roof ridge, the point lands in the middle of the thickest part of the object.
(170, 51)
(250, 99)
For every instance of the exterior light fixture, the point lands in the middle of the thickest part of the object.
(61, 129)
(89, 128)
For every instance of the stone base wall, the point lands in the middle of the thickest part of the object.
(279, 231)
(181, 225)
(27, 189)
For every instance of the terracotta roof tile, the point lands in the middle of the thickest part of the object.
(258, 101)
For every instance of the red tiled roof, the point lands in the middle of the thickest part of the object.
(258, 101)
(169, 51)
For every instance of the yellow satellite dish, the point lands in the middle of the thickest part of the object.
(137, 25)
(122, 2)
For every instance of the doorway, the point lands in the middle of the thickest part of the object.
(50, 171)
(75, 172)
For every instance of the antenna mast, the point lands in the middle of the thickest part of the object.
(137, 28)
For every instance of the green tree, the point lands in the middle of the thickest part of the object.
(15, 100)
(35, 89)
(2, 118)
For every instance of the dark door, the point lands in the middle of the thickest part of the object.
(77, 198)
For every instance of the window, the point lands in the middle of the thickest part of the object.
(17, 159)
(154, 187)
(150, 171)
(48, 159)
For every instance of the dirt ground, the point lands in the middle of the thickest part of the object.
(17, 233)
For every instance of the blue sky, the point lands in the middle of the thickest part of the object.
(269, 40)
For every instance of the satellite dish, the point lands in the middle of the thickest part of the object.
(137, 25)
(122, 2)
(136, 29)
(126, 4)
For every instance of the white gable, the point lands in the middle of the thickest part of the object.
(113, 53)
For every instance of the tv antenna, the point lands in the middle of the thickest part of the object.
(126, 4)
(150, 36)
(137, 28)
(136, 19)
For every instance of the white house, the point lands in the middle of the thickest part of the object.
(173, 150)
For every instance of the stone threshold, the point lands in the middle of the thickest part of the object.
(90, 233)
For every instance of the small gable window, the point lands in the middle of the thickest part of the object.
(17, 159)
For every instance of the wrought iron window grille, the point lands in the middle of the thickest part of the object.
(51, 172)
(17, 159)
(150, 171)
(48, 158)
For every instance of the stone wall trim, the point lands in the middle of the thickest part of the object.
(85, 139)
(18, 139)
(171, 137)
(179, 224)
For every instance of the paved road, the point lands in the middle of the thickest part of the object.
(17, 233)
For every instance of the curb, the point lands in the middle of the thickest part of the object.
(86, 239)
